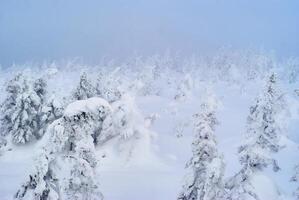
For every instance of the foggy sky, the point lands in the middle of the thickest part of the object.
(37, 30)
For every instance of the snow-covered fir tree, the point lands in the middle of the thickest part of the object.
(85, 89)
(184, 88)
(108, 86)
(206, 167)
(292, 70)
(66, 167)
(40, 89)
(261, 141)
(21, 110)
(295, 178)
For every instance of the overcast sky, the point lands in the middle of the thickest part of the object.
(36, 30)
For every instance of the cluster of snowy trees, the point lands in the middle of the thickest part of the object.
(95, 113)
(26, 111)
(262, 140)
(68, 133)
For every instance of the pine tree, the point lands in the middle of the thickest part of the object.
(85, 89)
(206, 165)
(65, 170)
(262, 140)
(22, 109)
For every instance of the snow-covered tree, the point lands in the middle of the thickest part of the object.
(108, 86)
(261, 141)
(21, 110)
(66, 166)
(40, 89)
(206, 167)
(184, 88)
(3, 143)
(52, 110)
(128, 127)
(295, 178)
(292, 70)
(85, 89)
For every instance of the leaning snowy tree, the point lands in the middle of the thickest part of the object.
(262, 140)
(85, 89)
(126, 125)
(52, 110)
(21, 110)
(66, 166)
(204, 181)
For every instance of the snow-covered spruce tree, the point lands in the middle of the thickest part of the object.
(261, 141)
(66, 166)
(184, 88)
(40, 89)
(21, 110)
(108, 86)
(295, 178)
(85, 89)
(206, 167)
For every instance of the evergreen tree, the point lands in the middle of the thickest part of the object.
(108, 86)
(85, 89)
(262, 140)
(206, 165)
(40, 89)
(184, 88)
(65, 170)
(22, 109)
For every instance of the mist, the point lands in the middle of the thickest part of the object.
(35, 31)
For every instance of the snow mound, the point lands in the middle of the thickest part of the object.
(265, 187)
